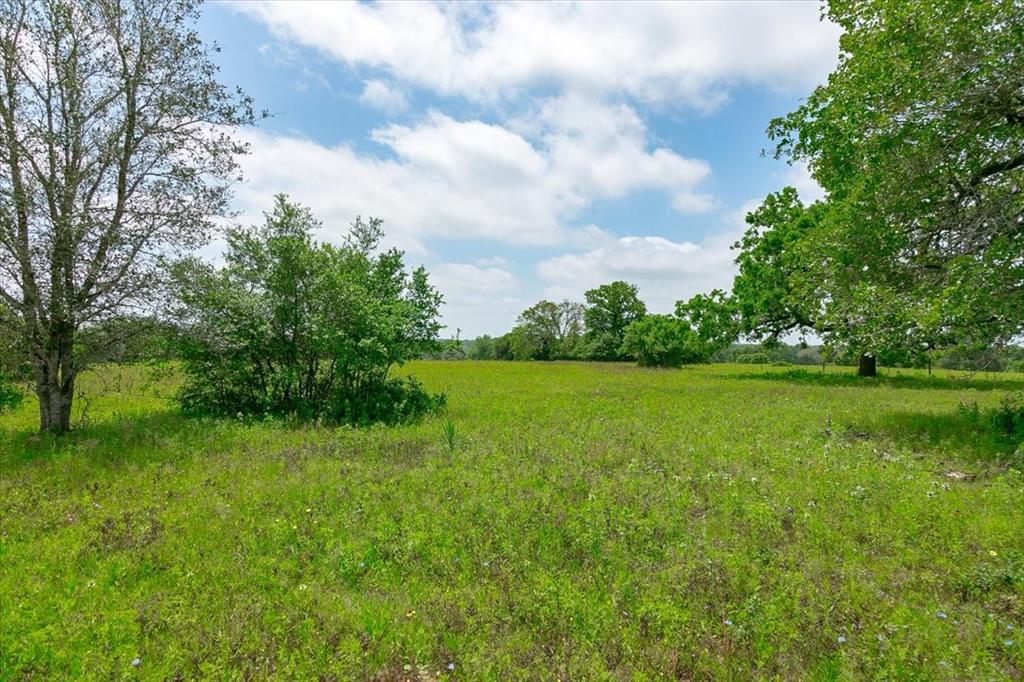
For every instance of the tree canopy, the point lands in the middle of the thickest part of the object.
(114, 151)
(918, 140)
(610, 309)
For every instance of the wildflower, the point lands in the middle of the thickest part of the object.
(451, 666)
(728, 622)
(1008, 642)
(841, 639)
(992, 552)
(410, 613)
(940, 614)
(136, 662)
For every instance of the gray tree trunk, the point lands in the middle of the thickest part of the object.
(55, 385)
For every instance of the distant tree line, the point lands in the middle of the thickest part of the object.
(613, 325)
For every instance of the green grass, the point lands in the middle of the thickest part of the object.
(570, 521)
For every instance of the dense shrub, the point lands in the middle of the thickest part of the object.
(10, 396)
(290, 326)
(664, 341)
(1008, 418)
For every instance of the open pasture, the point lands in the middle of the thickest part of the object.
(562, 521)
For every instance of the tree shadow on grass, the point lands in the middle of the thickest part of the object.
(908, 381)
(958, 434)
(116, 440)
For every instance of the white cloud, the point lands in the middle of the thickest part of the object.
(665, 271)
(471, 180)
(658, 52)
(384, 96)
(599, 151)
(799, 177)
(479, 299)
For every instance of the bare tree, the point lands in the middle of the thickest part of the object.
(115, 152)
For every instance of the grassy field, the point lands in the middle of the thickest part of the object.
(581, 522)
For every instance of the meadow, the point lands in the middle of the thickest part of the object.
(561, 521)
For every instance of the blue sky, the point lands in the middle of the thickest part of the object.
(525, 151)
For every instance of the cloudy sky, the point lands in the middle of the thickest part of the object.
(526, 151)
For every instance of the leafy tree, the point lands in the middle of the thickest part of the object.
(114, 150)
(918, 140)
(610, 309)
(482, 348)
(794, 278)
(665, 341)
(292, 326)
(11, 360)
(774, 292)
(712, 317)
(547, 331)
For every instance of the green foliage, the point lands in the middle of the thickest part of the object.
(918, 140)
(12, 360)
(482, 348)
(451, 435)
(713, 318)
(1008, 417)
(10, 395)
(610, 309)
(546, 331)
(774, 291)
(661, 341)
(290, 326)
(599, 521)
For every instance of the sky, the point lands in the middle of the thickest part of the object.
(525, 151)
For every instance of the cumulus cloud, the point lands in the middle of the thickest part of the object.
(689, 52)
(383, 96)
(664, 270)
(560, 86)
(471, 180)
(598, 150)
(478, 299)
(799, 177)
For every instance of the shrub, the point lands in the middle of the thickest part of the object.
(664, 341)
(290, 326)
(1008, 418)
(10, 396)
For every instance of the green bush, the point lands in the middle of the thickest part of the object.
(1008, 418)
(664, 341)
(290, 326)
(10, 395)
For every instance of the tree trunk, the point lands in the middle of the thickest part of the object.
(55, 385)
(866, 367)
